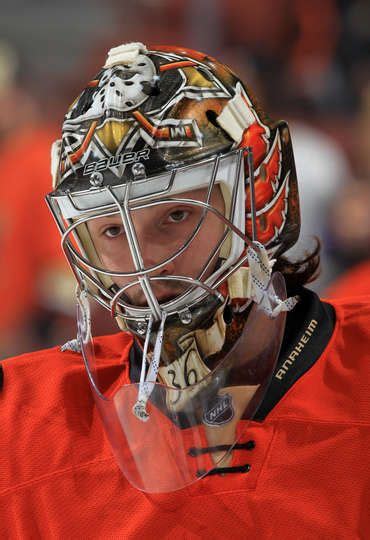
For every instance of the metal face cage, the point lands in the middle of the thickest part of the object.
(74, 209)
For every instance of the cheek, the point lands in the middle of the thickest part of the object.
(116, 261)
(197, 254)
(212, 233)
(212, 240)
(108, 261)
(121, 282)
(113, 253)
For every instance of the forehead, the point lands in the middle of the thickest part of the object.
(156, 210)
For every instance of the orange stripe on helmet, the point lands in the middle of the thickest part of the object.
(76, 156)
(183, 51)
(158, 133)
(176, 65)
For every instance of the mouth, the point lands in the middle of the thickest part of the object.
(161, 299)
(136, 297)
(167, 298)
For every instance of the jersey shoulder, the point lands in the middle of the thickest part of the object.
(47, 414)
(353, 283)
(353, 316)
(335, 388)
(43, 369)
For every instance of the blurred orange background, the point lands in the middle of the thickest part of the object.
(308, 62)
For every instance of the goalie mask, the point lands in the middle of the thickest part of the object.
(172, 193)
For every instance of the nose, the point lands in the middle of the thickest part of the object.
(154, 251)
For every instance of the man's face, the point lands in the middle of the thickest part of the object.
(161, 231)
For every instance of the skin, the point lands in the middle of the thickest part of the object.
(161, 230)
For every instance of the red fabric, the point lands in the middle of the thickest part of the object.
(28, 244)
(354, 282)
(309, 475)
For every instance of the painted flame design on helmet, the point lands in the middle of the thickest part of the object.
(169, 106)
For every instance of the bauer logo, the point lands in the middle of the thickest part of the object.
(221, 411)
(115, 161)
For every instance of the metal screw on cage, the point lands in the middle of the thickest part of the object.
(141, 328)
(185, 316)
(140, 412)
(138, 170)
(96, 179)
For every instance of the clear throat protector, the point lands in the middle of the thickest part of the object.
(166, 437)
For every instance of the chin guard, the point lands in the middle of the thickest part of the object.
(157, 454)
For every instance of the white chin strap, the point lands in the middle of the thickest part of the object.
(147, 382)
(260, 275)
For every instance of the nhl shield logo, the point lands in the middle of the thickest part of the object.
(221, 411)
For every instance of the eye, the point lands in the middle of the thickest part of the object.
(178, 215)
(114, 231)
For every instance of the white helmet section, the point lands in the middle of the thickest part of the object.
(117, 94)
(79, 205)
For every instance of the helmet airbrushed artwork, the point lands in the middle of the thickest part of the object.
(150, 112)
(154, 124)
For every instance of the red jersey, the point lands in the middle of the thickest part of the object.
(309, 474)
(354, 282)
